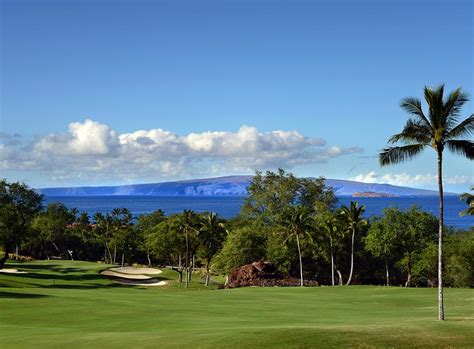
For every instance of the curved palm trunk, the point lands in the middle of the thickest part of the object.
(332, 260)
(440, 239)
(207, 273)
(149, 259)
(187, 259)
(352, 257)
(340, 277)
(301, 260)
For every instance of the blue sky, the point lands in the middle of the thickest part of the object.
(85, 83)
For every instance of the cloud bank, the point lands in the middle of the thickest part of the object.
(93, 152)
(404, 179)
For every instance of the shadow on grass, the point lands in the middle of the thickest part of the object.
(46, 267)
(62, 277)
(21, 295)
(79, 287)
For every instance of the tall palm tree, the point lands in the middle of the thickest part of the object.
(102, 227)
(353, 216)
(211, 233)
(329, 225)
(296, 224)
(439, 129)
(186, 224)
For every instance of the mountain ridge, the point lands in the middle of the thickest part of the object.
(224, 186)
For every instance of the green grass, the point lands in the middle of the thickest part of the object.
(68, 304)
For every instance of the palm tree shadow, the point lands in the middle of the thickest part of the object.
(4, 294)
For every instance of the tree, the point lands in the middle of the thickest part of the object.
(297, 224)
(243, 245)
(121, 231)
(354, 221)
(469, 198)
(145, 224)
(439, 130)
(52, 226)
(103, 228)
(187, 224)
(211, 234)
(167, 244)
(270, 194)
(83, 234)
(383, 237)
(416, 231)
(18, 206)
(330, 226)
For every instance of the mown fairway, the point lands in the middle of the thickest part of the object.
(68, 304)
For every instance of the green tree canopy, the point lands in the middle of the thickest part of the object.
(18, 206)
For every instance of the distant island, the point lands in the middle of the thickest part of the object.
(371, 194)
(231, 186)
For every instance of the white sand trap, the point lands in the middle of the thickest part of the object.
(141, 283)
(134, 271)
(125, 276)
(12, 271)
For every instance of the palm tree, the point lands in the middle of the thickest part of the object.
(186, 224)
(439, 129)
(211, 234)
(102, 227)
(330, 227)
(469, 198)
(353, 215)
(296, 224)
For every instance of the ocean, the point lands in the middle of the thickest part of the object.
(229, 206)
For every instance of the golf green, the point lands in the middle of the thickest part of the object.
(69, 304)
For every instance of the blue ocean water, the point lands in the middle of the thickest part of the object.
(229, 206)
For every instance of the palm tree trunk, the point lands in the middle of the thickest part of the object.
(407, 283)
(191, 268)
(55, 247)
(207, 272)
(149, 260)
(180, 268)
(187, 260)
(301, 261)
(352, 257)
(440, 238)
(107, 249)
(340, 277)
(332, 260)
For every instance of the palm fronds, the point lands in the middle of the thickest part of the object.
(461, 147)
(394, 155)
(465, 128)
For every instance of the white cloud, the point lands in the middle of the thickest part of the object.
(93, 152)
(404, 179)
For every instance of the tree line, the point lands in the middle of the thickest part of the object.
(294, 223)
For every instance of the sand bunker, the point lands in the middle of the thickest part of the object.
(135, 271)
(134, 276)
(12, 271)
(124, 276)
(141, 283)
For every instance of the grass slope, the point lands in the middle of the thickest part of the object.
(68, 304)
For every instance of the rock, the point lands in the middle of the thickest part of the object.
(263, 274)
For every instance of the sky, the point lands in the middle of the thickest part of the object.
(117, 92)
